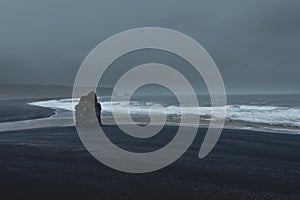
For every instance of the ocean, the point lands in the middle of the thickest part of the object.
(269, 113)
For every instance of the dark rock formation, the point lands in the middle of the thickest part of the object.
(88, 111)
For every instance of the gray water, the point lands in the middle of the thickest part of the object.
(275, 113)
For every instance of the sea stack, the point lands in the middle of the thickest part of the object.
(88, 111)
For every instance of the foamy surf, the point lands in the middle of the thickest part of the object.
(266, 118)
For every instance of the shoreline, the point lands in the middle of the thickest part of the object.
(20, 110)
(18, 114)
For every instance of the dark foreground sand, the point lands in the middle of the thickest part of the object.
(52, 163)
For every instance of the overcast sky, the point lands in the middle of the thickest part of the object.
(256, 44)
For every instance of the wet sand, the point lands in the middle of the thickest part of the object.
(17, 110)
(51, 163)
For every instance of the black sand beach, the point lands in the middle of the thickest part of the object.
(68, 66)
(51, 163)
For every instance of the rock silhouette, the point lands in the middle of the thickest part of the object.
(88, 111)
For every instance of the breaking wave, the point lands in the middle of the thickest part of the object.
(282, 118)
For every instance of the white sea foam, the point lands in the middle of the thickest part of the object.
(283, 117)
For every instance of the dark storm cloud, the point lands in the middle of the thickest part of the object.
(255, 44)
